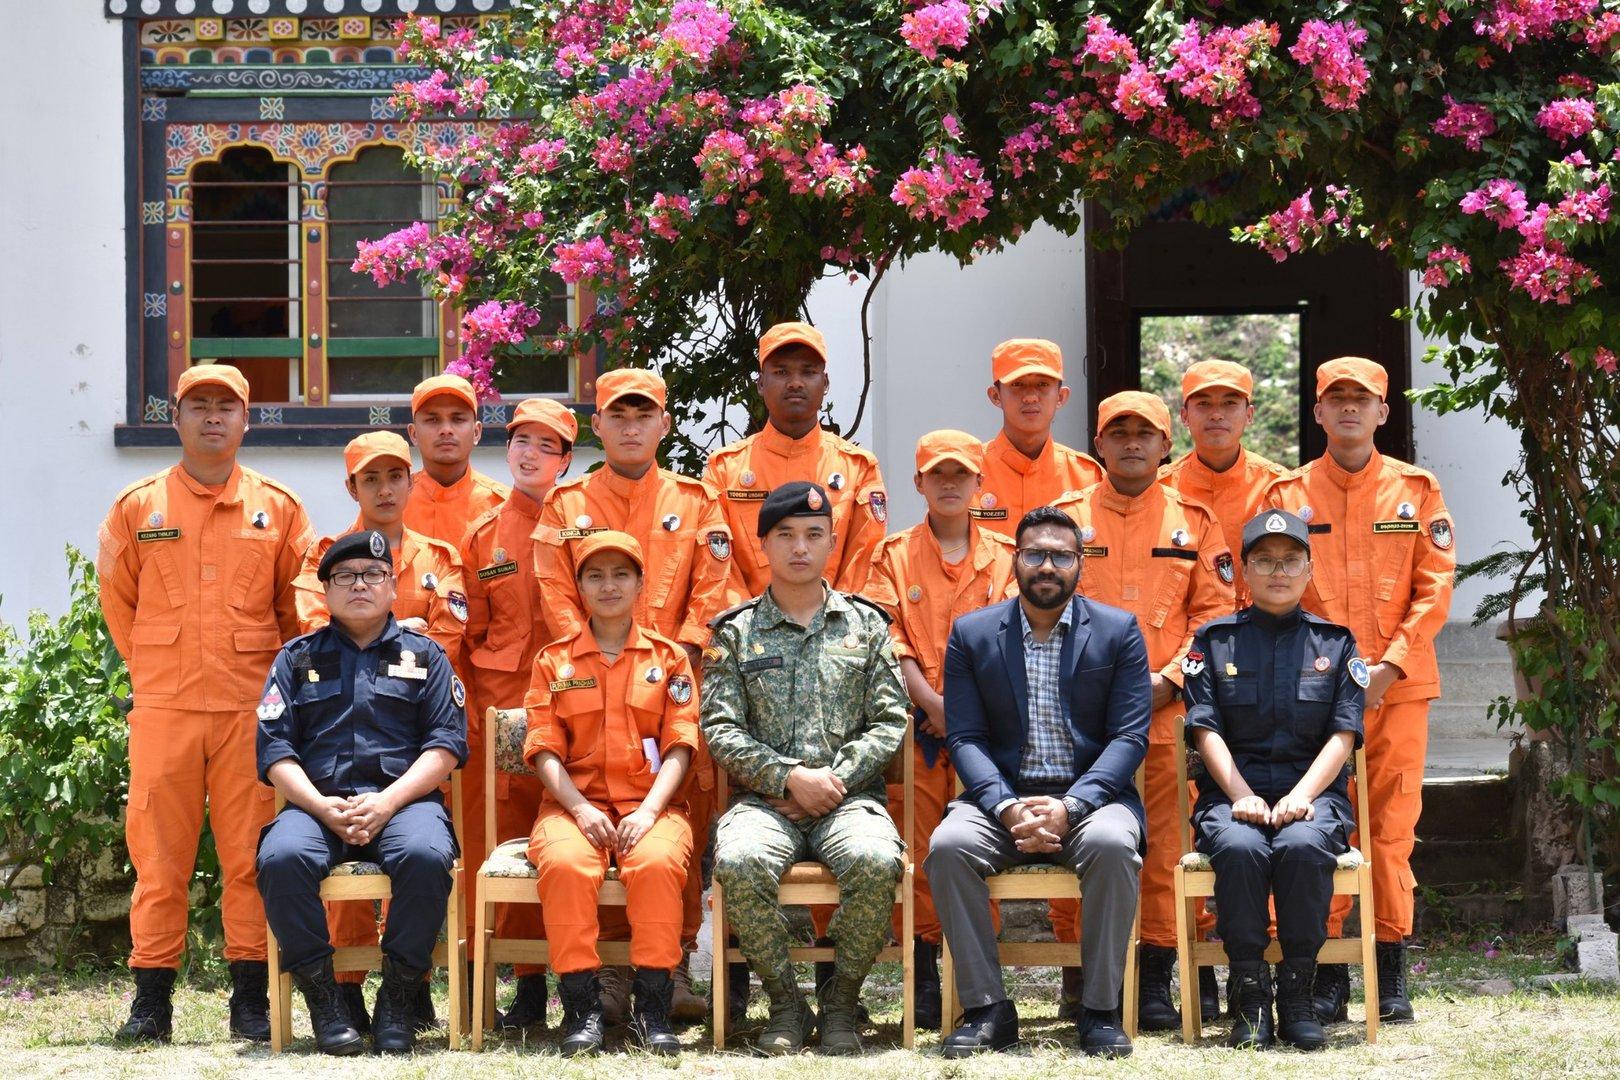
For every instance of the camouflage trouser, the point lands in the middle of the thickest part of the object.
(755, 846)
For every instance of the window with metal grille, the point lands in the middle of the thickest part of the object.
(246, 307)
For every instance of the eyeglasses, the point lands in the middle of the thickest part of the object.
(1265, 566)
(345, 579)
(1034, 558)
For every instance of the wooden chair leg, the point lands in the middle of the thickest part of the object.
(1132, 975)
(280, 996)
(718, 990)
(481, 1003)
(947, 988)
(1185, 929)
(456, 953)
(1369, 949)
(908, 958)
(489, 968)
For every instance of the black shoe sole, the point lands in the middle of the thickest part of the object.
(1336, 1016)
(250, 1036)
(957, 1053)
(579, 1051)
(349, 1049)
(136, 1040)
(1405, 1016)
(1107, 1051)
(1172, 1024)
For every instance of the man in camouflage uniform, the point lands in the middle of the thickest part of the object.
(804, 706)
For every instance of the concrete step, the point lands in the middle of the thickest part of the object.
(1466, 808)
(1455, 720)
(1466, 862)
(1461, 640)
(1467, 757)
(1475, 681)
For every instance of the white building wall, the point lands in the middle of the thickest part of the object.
(62, 334)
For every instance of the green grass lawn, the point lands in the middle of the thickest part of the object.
(60, 1025)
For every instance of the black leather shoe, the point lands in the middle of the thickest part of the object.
(528, 1008)
(1209, 996)
(1250, 995)
(1073, 989)
(925, 958)
(1102, 1034)
(986, 1027)
(1394, 1007)
(250, 1000)
(151, 1014)
(1156, 1009)
(1331, 998)
(393, 1022)
(584, 1029)
(1297, 1024)
(334, 1031)
(654, 991)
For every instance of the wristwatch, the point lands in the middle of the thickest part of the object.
(1075, 808)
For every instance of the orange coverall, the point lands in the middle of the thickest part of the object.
(924, 595)
(600, 718)
(1234, 497)
(1383, 554)
(1014, 484)
(1161, 557)
(197, 590)
(749, 469)
(689, 552)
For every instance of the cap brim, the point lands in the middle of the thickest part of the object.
(1218, 384)
(821, 354)
(1139, 415)
(1304, 545)
(1028, 369)
(947, 455)
(1370, 387)
(626, 552)
(471, 403)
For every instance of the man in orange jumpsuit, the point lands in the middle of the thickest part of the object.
(1382, 556)
(793, 446)
(924, 578)
(1155, 553)
(504, 632)
(449, 494)
(430, 597)
(1220, 473)
(612, 730)
(196, 566)
(1024, 467)
(689, 550)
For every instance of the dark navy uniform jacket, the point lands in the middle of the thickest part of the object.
(357, 719)
(1276, 688)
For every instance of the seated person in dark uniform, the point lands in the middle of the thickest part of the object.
(360, 723)
(1274, 701)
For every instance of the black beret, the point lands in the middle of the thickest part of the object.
(366, 544)
(797, 499)
(1275, 523)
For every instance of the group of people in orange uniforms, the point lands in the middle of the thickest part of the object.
(588, 600)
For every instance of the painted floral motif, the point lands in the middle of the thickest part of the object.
(312, 146)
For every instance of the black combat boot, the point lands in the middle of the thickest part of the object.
(250, 1000)
(392, 1028)
(654, 991)
(584, 1029)
(354, 1003)
(334, 1031)
(1249, 994)
(1331, 998)
(528, 1008)
(1394, 1007)
(737, 990)
(1156, 1010)
(925, 959)
(423, 1017)
(1209, 996)
(1073, 989)
(151, 1014)
(1297, 1024)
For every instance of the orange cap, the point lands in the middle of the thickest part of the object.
(1354, 369)
(224, 375)
(550, 414)
(372, 446)
(792, 333)
(607, 540)
(454, 385)
(1150, 407)
(1217, 374)
(623, 382)
(948, 445)
(1026, 356)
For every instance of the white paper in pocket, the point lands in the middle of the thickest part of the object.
(649, 748)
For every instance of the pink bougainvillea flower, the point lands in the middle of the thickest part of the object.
(950, 188)
(697, 30)
(1138, 92)
(582, 260)
(1445, 266)
(1502, 201)
(1332, 52)
(1512, 22)
(1567, 118)
(1548, 274)
(1470, 123)
(937, 26)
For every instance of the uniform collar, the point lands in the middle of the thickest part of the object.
(522, 505)
(1207, 476)
(767, 615)
(230, 492)
(1347, 479)
(1124, 504)
(438, 492)
(585, 644)
(1274, 623)
(623, 486)
(777, 443)
(1014, 458)
(391, 634)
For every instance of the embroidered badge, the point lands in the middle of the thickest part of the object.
(458, 604)
(559, 685)
(1276, 524)
(879, 507)
(713, 654)
(458, 692)
(680, 689)
(272, 706)
(764, 663)
(144, 535)
(1193, 664)
(719, 545)
(1440, 533)
(1395, 527)
(914, 593)
(498, 570)
(1359, 673)
(1223, 567)
(743, 495)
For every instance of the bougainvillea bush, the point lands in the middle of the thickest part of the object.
(700, 165)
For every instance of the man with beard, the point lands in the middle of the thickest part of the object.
(1047, 699)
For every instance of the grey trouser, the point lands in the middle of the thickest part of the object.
(1103, 849)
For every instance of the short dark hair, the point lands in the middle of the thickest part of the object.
(1046, 515)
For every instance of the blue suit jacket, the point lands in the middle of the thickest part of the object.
(1104, 678)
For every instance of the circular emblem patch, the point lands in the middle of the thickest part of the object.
(583, 521)
(429, 582)
(879, 507)
(379, 546)
(746, 479)
(719, 545)
(566, 671)
(914, 593)
(1322, 663)
(1406, 511)
(1179, 538)
(458, 692)
(500, 555)
(155, 520)
(836, 481)
(671, 522)
(261, 520)
(1087, 534)
(1305, 513)
(987, 501)
(1359, 673)
(1276, 524)
(654, 674)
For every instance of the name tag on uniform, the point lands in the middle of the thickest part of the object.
(146, 535)
(407, 671)
(745, 495)
(998, 514)
(498, 570)
(1092, 551)
(1395, 526)
(576, 534)
(559, 685)
(1175, 553)
(764, 663)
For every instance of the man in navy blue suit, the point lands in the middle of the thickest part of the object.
(1047, 700)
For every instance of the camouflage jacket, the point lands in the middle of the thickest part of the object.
(777, 694)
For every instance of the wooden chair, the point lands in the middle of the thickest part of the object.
(1039, 881)
(361, 880)
(506, 876)
(809, 883)
(1195, 879)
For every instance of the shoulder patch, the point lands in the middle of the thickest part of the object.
(871, 605)
(731, 613)
(1359, 673)
(458, 692)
